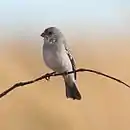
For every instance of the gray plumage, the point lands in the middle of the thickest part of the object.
(57, 57)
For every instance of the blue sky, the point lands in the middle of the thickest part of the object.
(36, 14)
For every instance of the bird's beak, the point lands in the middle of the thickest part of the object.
(43, 34)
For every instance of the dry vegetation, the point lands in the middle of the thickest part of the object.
(43, 105)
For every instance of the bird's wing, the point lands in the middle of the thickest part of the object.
(73, 63)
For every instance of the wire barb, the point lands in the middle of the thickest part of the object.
(48, 75)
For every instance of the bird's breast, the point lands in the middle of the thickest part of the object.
(55, 59)
(52, 58)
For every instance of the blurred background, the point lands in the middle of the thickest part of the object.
(98, 33)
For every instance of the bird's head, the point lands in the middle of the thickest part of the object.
(51, 35)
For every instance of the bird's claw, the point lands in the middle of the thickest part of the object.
(47, 77)
(65, 72)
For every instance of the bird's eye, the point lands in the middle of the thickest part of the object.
(50, 33)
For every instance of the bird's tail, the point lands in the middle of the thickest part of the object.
(72, 91)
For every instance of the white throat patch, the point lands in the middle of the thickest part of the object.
(52, 41)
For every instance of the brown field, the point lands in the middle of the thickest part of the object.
(43, 106)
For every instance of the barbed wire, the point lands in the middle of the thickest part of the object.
(52, 74)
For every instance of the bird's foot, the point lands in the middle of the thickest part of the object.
(65, 73)
(48, 75)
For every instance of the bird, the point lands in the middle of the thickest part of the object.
(57, 56)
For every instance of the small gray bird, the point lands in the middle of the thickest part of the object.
(58, 58)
